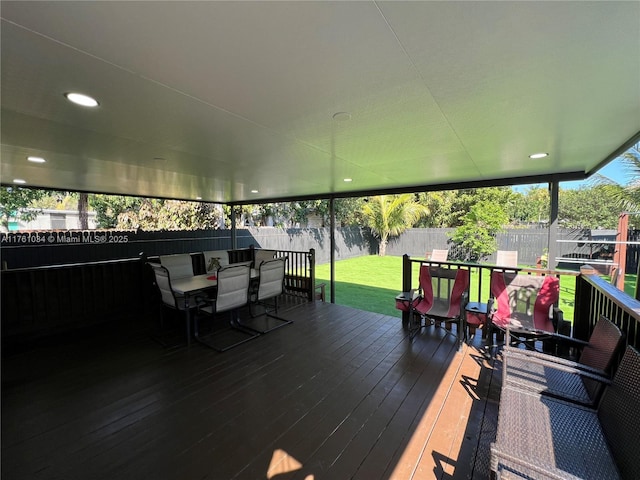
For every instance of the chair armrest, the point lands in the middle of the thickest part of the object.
(526, 467)
(490, 309)
(557, 363)
(464, 300)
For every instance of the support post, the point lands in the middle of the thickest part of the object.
(312, 274)
(234, 233)
(637, 292)
(552, 245)
(620, 253)
(406, 284)
(332, 236)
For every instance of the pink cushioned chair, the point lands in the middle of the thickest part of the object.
(525, 305)
(442, 296)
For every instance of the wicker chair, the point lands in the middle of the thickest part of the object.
(546, 438)
(576, 381)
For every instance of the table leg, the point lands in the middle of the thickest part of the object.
(188, 318)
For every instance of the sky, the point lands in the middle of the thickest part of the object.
(614, 170)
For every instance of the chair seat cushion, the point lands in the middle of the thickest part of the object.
(179, 265)
(564, 436)
(214, 259)
(546, 379)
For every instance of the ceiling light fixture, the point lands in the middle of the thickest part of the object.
(538, 155)
(19, 181)
(198, 198)
(341, 116)
(254, 191)
(81, 99)
(348, 179)
(36, 159)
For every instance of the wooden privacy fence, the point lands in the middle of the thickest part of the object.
(33, 249)
(45, 248)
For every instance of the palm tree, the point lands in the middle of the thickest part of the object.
(627, 196)
(390, 215)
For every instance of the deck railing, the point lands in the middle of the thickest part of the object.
(44, 301)
(593, 295)
(300, 274)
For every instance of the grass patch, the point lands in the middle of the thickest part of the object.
(371, 283)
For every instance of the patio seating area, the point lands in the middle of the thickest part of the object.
(340, 393)
(543, 437)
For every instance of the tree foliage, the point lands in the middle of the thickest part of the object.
(627, 196)
(532, 207)
(595, 207)
(476, 237)
(154, 214)
(447, 209)
(14, 202)
(390, 215)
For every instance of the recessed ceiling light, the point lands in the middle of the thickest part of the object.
(198, 198)
(254, 191)
(36, 159)
(341, 116)
(19, 181)
(538, 155)
(81, 99)
(348, 179)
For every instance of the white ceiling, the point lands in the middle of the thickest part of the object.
(215, 99)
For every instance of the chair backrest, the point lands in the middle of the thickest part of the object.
(163, 281)
(443, 290)
(604, 342)
(603, 345)
(179, 265)
(214, 259)
(261, 255)
(439, 255)
(507, 258)
(524, 300)
(271, 281)
(619, 414)
(233, 287)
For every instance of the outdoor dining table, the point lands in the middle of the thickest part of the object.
(191, 286)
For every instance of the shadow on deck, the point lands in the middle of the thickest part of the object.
(340, 393)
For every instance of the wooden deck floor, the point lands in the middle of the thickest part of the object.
(339, 394)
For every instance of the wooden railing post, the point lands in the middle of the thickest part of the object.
(637, 288)
(583, 301)
(312, 274)
(406, 283)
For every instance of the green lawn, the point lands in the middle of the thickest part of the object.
(372, 282)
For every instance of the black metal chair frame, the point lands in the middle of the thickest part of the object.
(231, 294)
(267, 289)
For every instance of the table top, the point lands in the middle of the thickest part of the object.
(477, 307)
(184, 286)
(406, 295)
